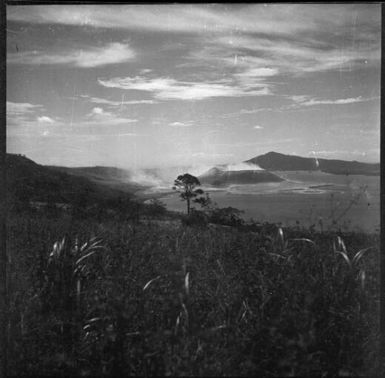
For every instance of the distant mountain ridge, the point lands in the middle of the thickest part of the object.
(265, 168)
(274, 161)
(25, 178)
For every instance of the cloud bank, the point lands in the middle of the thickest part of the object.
(174, 18)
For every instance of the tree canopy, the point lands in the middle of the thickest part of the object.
(186, 185)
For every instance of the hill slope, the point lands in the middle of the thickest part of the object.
(107, 176)
(29, 181)
(274, 161)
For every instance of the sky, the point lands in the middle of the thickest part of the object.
(139, 86)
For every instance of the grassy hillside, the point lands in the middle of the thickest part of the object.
(121, 298)
(125, 289)
(28, 181)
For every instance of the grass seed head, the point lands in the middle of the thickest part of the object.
(339, 245)
(358, 256)
(187, 283)
(146, 286)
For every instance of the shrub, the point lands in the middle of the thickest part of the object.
(155, 208)
(228, 216)
(196, 218)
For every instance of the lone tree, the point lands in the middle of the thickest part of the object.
(186, 184)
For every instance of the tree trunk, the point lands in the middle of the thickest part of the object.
(188, 206)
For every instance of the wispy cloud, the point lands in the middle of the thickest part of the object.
(91, 136)
(307, 101)
(181, 124)
(112, 53)
(45, 119)
(99, 117)
(275, 55)
(258, 127)
(253, 111)
(103, 101)
(302, 102)
(247, 111)
(22, 108)
(171, 89)
(256, 73)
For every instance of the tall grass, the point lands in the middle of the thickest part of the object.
(142, 299)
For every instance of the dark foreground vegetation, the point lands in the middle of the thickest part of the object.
(117, 294)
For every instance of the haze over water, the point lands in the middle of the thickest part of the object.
(318, 197)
